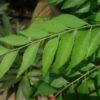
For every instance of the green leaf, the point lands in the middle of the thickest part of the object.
(19, 95)
(52, 1)
(91, 84)
(97, 17)
(87, 67)
(98, 80)
(64, 50)
(99, 2)
(48, 54)
(15, 40)
(3, 50)
(45, 90)
(6, 24)
(54, 25)
(70, 94)
(35, 30)
(59, 82)
(34, 33)
(95, 41)
(26, 88)
(83, 88)
(69, 3)
(85, 8)
(5, 94)
(60, 97)
(93, 74)
(80, 48)
(34, 80)
(70, 21)
(98, 53)
(35, 72)
(7, 62)
(59, 1)
(74, 74)
(55, 2)
(28, 57)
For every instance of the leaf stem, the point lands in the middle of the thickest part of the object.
(51, 36)
(73, 82)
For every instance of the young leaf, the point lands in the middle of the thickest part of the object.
(48, 54)
(95, 41)
(70, 21)
(80, 48)
(59, 82)
(15, 40)
(7, 62)
(64, 50)
(28, 57)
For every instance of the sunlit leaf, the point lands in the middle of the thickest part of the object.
(70, 20)
(7, 62)
(64, 50)
(28, 58)
(15, 40)
(3, 50)
(48, 54)
(80, 48)
(95, 41)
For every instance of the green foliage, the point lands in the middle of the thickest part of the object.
(80, 47)
(78, 6)
(59, 56)
(14, 40)
(64, 50)
(7, 62)
(59, 82)
(48, 54)
(28, 57)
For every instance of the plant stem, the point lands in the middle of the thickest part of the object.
(73, 82)
(51, 36)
